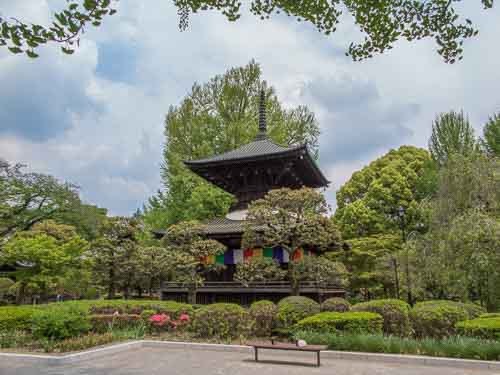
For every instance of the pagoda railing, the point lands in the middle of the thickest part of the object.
(267, 286)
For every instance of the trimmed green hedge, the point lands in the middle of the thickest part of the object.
(295, 308)
(59, 323)
(222, 321)
(19, 317)
(438, 318)
(349, 322)
(336, 304)
(16, 318)
(484, 328)
(104, 323)
(396, 314)
(264, 314)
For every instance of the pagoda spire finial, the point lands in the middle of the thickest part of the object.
(262, 116)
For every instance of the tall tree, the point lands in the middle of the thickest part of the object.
(216, 117)
(451, 134)
(383, 23)
(115, 255)
(491, 135)
(43, 255)
(187, 251)
(291, 219)
(28, 198)
(372, 201)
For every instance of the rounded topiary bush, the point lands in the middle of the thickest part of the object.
(222, 321)
(335, 304)
(396, 315)
(264, 315)
(59, 323)
(295, 308)
(483, 328)
(438, 318)
(348, 322)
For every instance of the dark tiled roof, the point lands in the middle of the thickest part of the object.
(258, 148)
(224, 226)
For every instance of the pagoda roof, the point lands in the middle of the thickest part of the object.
(260, 148)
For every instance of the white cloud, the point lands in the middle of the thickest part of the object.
(96, 118)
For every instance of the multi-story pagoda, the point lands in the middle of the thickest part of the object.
(248, 173)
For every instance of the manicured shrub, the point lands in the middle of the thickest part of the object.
(349, 322)
(222, 321)
(16, 318)
(146, 314)
(59, 323)
(264, 315)
(395, 313)
(108, 322)
(437, 319)
(485, 328)
(454, 347)
(295, 308)
(336, 304)
(172, 308)
(489, 315)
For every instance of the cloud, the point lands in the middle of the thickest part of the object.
(96, 118)
(356, 119)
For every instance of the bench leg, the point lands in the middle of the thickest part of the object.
(256, 354)
(318, 360)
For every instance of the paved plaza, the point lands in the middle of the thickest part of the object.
(181, 361)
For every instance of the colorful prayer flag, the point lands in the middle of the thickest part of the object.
(219, 259)
(210, 259)
(238, 256)
(268, 252)
(257, 252)
(229, 257)
(248, 253)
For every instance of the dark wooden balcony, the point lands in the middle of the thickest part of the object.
(235, 292)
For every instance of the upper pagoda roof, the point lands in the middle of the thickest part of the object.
(260, 148)
(259, 166)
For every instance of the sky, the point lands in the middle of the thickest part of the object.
(96, 118)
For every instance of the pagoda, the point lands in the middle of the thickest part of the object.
(248, 173)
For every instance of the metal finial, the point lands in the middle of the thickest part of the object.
(262, 115)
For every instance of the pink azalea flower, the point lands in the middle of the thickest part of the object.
(184, 318)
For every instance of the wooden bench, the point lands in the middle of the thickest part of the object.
(286, 346)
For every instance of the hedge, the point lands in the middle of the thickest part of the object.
(104, 322)
(484, 328)
(395, 313)
(349, 322)
(16, 318)
(59, 323)
(295, 308)
(438, 318)
(222, 321)
(336, 304)
(264, 315)
(19, 317)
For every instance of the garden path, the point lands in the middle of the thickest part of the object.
(163, 361)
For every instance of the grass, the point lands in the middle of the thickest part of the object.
(452, 347)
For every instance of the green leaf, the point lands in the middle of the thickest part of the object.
(31, 54)
(15, 50)
(67, 51)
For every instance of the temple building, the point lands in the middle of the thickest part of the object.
(248, 173)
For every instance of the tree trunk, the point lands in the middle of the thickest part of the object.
(191, 296)
(21, 293)
(396, 276)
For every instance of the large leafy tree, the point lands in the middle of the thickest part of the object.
(28, 198)
(213, 118)
(372, 263)
(491, 135)
(291, 219)
(385, 195)
(452, 134)
(187, 250)
(115, 255)
(457, 257)
(383, 23)
(43, 256)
